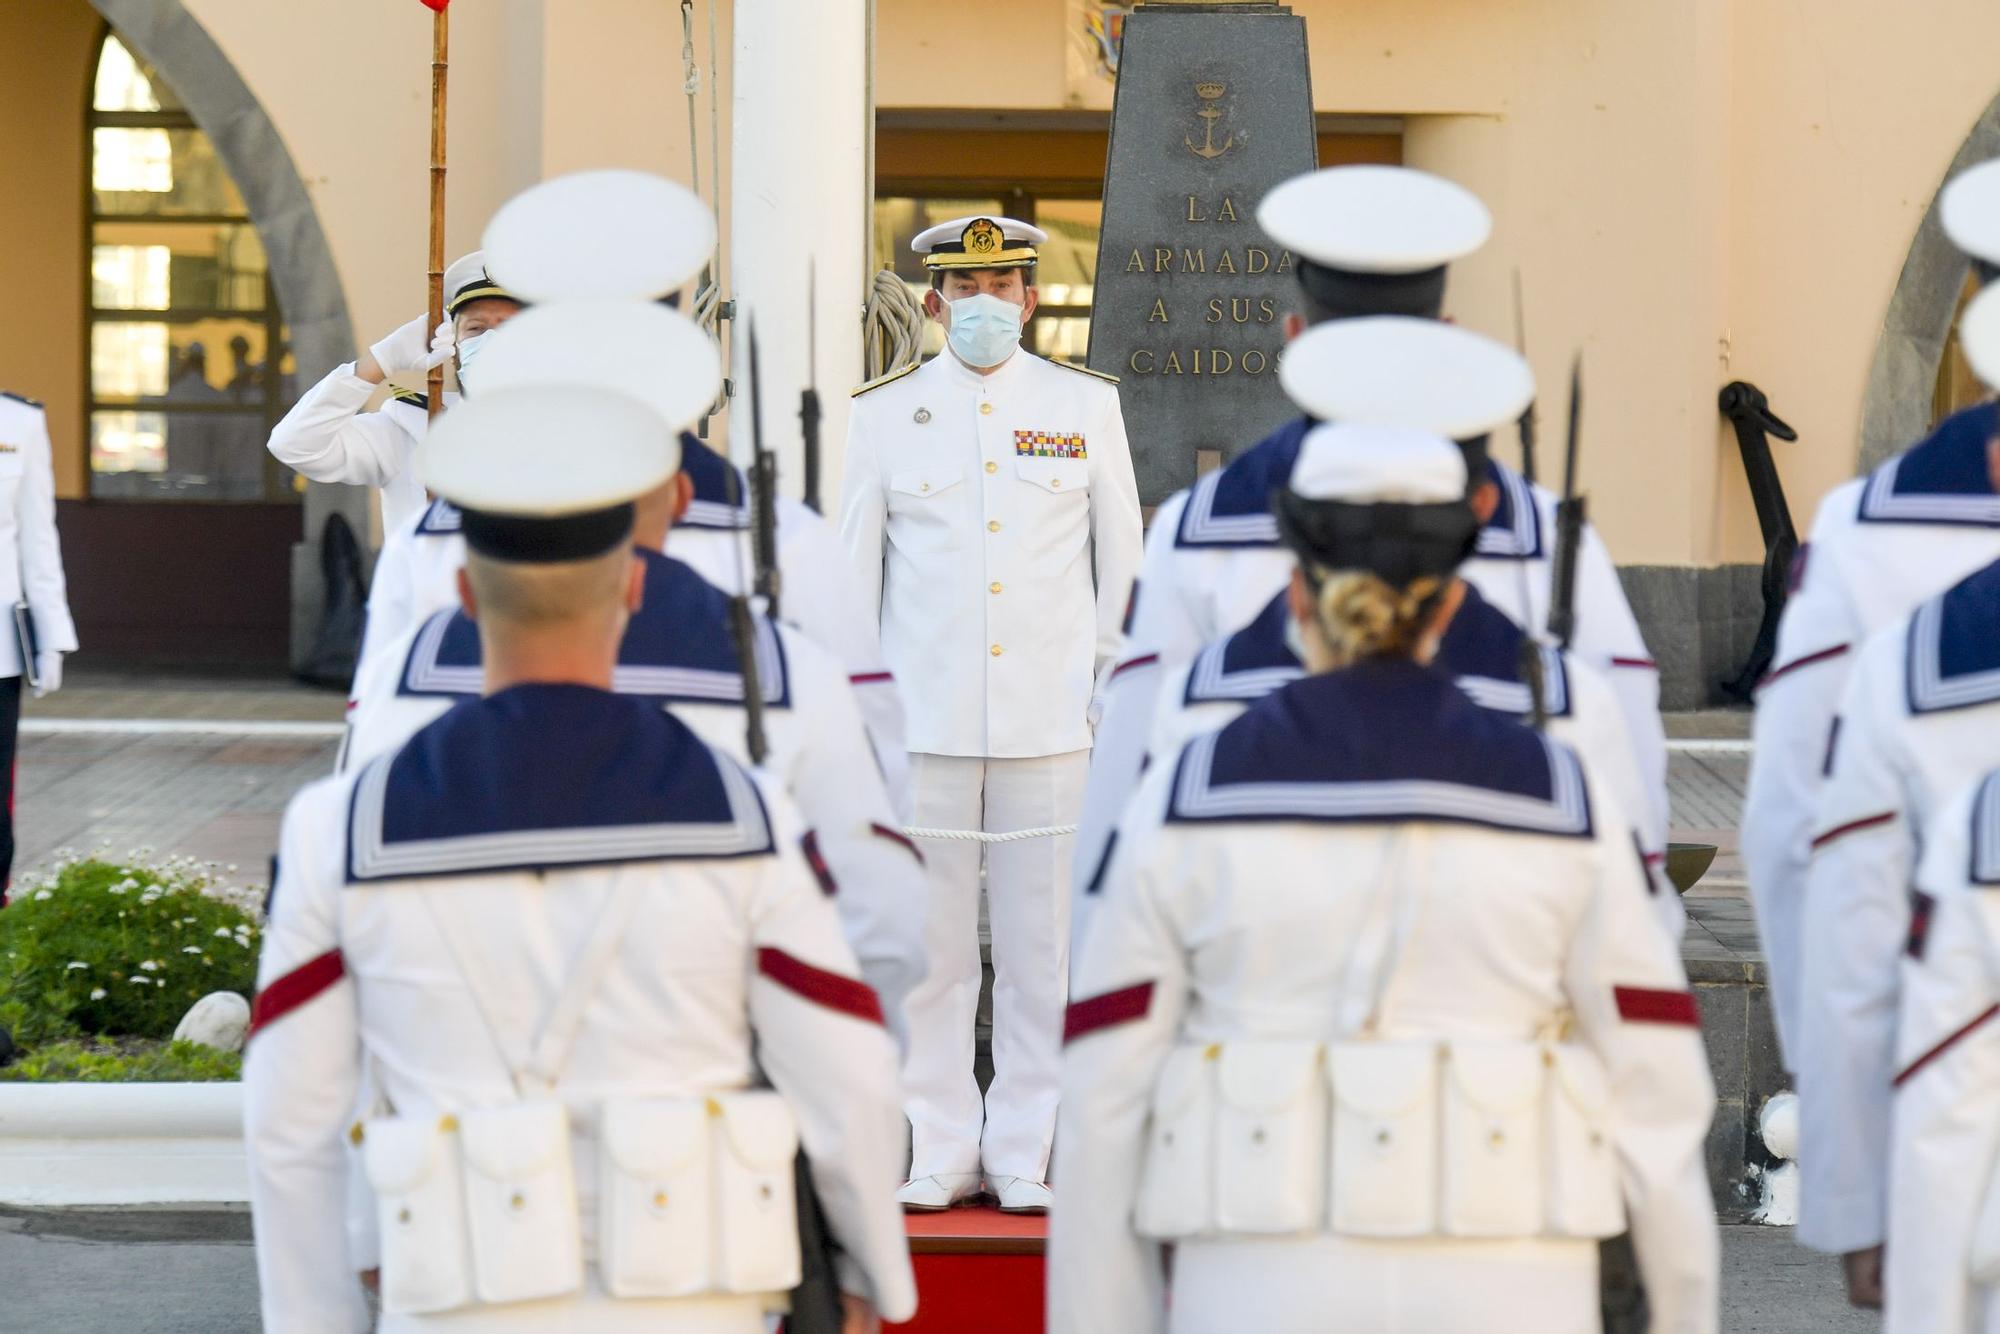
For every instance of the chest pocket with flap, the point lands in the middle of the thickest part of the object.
(1058, 477)
(925, 507)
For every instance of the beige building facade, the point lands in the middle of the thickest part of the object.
(1691, 194)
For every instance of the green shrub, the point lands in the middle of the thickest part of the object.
(103, 1061)
(102, 948)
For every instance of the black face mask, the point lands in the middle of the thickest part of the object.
(1398, 543)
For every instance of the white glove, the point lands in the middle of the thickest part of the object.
(405, 349)
(48, 665)
(1094, 713)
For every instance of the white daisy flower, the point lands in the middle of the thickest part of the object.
(76, 963)
(97, 993)
(149, 965)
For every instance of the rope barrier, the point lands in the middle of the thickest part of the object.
(975, 836)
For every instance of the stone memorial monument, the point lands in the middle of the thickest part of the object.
(1214, 107)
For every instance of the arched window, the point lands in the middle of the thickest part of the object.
(189, 366)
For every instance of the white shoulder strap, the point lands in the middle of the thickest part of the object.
(543, 1058)
(1385, 931)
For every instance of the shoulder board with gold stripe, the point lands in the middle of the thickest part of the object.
(1084, 370)
(20, 398)
(412, 397)
(881, 380)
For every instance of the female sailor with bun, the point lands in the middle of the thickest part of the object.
(1374, 1023)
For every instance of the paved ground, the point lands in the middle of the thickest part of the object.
(196, 1274)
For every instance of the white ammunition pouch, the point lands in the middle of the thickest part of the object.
(479, 1207)
(1378, 1137)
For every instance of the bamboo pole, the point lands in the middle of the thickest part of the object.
(439, 44)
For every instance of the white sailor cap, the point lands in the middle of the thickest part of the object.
(639, 349)
(1374, 219)
(1366, 463)
(1979, 336)
(1398, 370)
(979, 242)
(600, 233)
(467, 281)
(547, 473)
(1969, 208)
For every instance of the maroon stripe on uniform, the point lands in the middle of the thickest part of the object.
(848, 995)
(1113, 1007)
(1909, 1071)
(870, 678)
(294, 989)
(1796, 664)
(1851, 827)
(898, 836)
(1132, 664)
(821, 871)
(1922, 909)
(1644, 664)
(1644, 1005)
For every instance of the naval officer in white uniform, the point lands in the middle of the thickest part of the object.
(993, 521)
(563, 937)
(31, 571)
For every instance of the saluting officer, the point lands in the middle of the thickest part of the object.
(1369, 240)
(1919, 719)
(563, 936)
(993, 521)
(679, 649)
(31, 572)
(1374, 1025)
(1330, 372)
(1879, 545)
(328, 437)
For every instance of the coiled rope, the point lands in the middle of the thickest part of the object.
(975, 836)
(892, 326)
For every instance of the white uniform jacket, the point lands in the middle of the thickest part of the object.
(417, 575)
(1243, 864)
(678, 652)
(993, 524)
(328, 437)
(1919, 720)
(1213, 560)
(1480, 652)
(30, 556)
(1945, 1134)
(1879, 546)
(505, 824)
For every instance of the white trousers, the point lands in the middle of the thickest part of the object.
(1341, 1285)
(1027, 884)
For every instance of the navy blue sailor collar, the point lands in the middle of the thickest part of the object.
(677, 647)
(1380, 742)
(720, 496)
(1952, 648)
(1480, 651)
(543, 776)
(440, 518)
(1942, 480)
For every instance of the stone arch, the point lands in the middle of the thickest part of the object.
(1903, 376)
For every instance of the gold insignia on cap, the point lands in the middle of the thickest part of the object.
(983, 237)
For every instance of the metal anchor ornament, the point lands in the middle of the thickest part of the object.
(1210, 94)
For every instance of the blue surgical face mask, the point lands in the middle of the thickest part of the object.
(468, 348)
(984, 330)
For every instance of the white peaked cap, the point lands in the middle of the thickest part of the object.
(1373, 219)
(979, 241)
(1969, 208)
(1979, 336)
(599, 233)
(1367, 464)
(639, 349)
(468, 271)
(1398, 370)
(547, 451)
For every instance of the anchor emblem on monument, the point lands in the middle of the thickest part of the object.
(1210, 94)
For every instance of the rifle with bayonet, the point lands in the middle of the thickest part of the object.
(1569, 526)
(809, 413)
(1530, 652)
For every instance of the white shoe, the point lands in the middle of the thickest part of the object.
(933, 1193)
(1019, 1195)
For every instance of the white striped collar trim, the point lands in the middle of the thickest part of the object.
(1208, 682)
(1879, 502)
(370, 857)
(425, 675)
(1514, 698)
(1202, 525)
(714, 514)
(1522, 538)
(1567, 813)
(440, 518)
(1986, 833)
(1929, 691)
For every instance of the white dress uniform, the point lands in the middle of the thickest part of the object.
(328, 437)
(1945, 1132)
(1918, 721)
(993, 524)
(1879, 546)
(678, 651)
(1466, 875)
(1480, 651)
(504, 829)
(31, 568)
(416, 576)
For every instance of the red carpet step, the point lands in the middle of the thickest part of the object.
(979, 1271)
